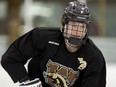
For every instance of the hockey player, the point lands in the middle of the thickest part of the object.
(59, 57)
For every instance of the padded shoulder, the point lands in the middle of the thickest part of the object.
(45, 32)
(43, 35)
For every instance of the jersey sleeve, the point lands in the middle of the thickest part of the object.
(17, 55)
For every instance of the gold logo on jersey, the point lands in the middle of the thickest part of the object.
(83, 64)
(58, 75)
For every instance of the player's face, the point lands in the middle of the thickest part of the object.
(75, 29)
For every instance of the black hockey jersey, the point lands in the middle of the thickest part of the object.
(52, 63)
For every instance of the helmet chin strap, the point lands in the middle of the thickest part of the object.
(74, 41)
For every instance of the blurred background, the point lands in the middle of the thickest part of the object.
(20, 16)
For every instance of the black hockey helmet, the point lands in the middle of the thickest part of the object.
(77, 12)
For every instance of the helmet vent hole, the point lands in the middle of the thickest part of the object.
(73, 7)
